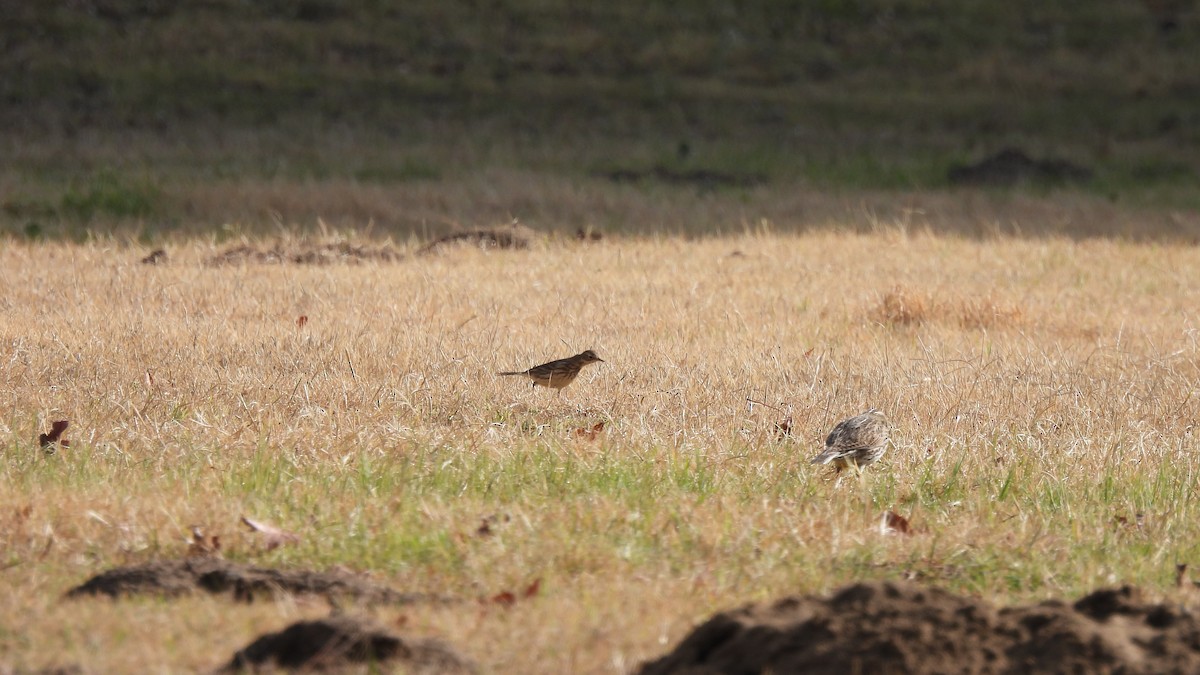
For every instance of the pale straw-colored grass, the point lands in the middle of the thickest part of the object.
(1042, 394)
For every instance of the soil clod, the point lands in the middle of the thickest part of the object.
(338, 641)
(304, 253)
(513, 236)
(244, 582)
(906, 628)
(156, 257)
(1011, 167)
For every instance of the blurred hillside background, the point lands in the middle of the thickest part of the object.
(225, 115)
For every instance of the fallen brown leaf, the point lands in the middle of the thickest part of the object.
(506, 599)
(784, 429)
(1122, 522)
(55, 435)
(894, 522)
(302, 321)
(590, 434)
(201, 546)
(486, 523)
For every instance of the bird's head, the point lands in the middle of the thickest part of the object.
(589, 357)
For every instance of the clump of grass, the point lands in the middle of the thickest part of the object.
(905, 307)
(902, 307)
(985, 312)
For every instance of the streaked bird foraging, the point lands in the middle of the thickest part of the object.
(856, 442)
(558, 374)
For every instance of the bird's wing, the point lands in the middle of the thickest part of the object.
(830, 454)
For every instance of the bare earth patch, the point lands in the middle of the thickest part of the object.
(245, 582)
(339, 641)
(304, 253)
(301, 252)
(514, 236)
(905, 628)
(1011, 167)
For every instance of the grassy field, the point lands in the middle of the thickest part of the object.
(1041, 391)
(791, 236)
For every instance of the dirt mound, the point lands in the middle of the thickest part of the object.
(304, 253)
(506, 236)
(1010, 167)
(156, 257)
(245, 582)
(339, 641)
(906, 628)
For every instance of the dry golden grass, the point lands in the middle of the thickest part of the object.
(1041, 391)
(902, 307)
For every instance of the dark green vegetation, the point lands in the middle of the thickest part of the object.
(107, 101)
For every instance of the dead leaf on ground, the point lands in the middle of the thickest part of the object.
(783, 429)
(202, 546)
(508, 598)
(894, 522)
(55, 436)
(272, 536)
(485, 528)
(591, 433)
(505, 599)
(302, 321)
(1122, 523)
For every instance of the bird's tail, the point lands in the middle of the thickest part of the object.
(510, 372)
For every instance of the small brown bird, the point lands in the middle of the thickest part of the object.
(856, 442)
(560, 373)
